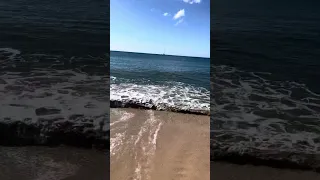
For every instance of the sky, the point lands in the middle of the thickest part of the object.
(175, 27)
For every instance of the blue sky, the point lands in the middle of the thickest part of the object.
(178, 27)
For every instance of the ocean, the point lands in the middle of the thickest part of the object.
(155, 104)
(54, 76)
(52, 54)
(265, 92)
(160, 82)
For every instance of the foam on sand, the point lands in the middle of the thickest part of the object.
(156, 138)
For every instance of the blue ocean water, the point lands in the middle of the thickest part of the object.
(69, 27)
(160, 81)
(265, 98)
(52, 54)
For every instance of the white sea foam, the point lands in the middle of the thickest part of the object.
(178, 96)
(250, 111)
(70, 92)
(138, 172)
(155, 135)
(150, 128)
(124, 117)
(115, 142)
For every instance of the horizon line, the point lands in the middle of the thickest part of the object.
(160, 54)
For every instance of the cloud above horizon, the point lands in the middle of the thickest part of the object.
(166, 14)
(192, 1)
(179, 14)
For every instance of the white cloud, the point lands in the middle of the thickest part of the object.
(166, 14)
(180, 21)
(179, 14)
(192, 1)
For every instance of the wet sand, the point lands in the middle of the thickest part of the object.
(226, 171)
(58, 163)
(152, 145)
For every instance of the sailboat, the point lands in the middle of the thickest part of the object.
(164, 52)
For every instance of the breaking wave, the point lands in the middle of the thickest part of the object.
(256, 118)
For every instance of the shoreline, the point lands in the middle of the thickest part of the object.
(279, 160)
(256, 161)
(54, 134)
(71, 134)
(151, 106)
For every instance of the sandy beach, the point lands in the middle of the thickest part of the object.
(151, 145)
(58, 163)
(227, 171)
